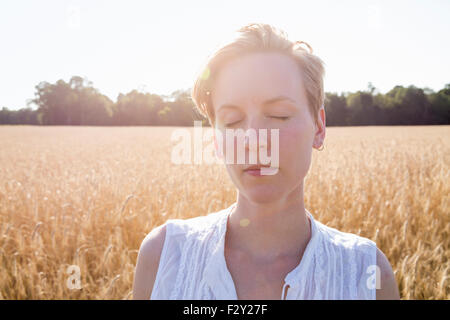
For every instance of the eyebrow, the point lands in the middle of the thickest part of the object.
(265, 103)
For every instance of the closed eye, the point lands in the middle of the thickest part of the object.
(232, 124)
(280, 118)
(274, 117)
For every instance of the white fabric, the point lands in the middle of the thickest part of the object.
(335, 264)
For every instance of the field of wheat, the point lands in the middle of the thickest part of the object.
(87, 196)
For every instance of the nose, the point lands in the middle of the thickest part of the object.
(256, 139)
(257, 135)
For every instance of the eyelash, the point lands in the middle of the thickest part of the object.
(236, 122)
(231, 124)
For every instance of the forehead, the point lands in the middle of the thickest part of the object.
(256, 77)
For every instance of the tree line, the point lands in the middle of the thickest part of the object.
(77, 102)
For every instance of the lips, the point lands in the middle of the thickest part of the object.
(256, 167)
(261, 170)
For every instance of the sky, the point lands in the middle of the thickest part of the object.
(159, 46)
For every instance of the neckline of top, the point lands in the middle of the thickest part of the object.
(218, 275)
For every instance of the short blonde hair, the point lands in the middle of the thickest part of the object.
(259, 37)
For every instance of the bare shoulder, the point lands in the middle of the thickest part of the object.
(148, 262)
(388, 289)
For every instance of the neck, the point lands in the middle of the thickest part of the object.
(269, 230)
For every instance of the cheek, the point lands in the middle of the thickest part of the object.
(295, 144)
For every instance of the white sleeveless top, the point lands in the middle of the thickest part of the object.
(335, 264)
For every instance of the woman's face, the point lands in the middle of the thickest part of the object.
(240, 91)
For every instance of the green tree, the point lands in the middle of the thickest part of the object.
(335, 109)
(137, 108)
(73, 103)
(440, 106)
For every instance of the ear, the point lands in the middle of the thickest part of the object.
(320, 125)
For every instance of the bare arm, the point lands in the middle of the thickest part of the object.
(388, 286)
(148, 262)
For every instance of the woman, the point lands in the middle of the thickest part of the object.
(266, 245)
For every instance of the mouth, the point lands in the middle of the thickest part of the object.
(260, 170)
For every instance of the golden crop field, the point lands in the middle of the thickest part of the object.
(87, 196)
